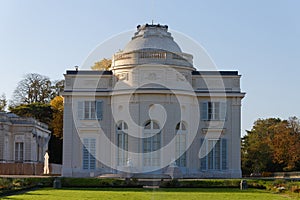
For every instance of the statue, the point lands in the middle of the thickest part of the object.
(129, 163)
(46, 163)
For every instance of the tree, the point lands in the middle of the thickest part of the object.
(294, 124)
(55, 143)
(103, 64)
(286, 145)
(39, 111)
(257, 154)
(57, 106)
(3, 102)
(272, 145)
(32, 99)
(57, 87)
(34, 88)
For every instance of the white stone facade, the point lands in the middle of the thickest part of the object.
(152, 113)
(22, 140)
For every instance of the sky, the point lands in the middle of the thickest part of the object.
(258, 38)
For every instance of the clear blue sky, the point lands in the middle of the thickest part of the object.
(260, 39)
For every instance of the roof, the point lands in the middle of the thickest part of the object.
(154, 36)
(89, 72)
(222, 73)
(16, 119)
(97, 72)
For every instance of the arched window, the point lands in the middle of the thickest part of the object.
(122, 143)
(151, 143)
(181, 135)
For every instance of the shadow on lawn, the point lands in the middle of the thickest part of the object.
(216, 190)
(6, 195)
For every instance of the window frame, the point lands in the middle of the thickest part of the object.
(219, 159)
(19, 152)
(122, 152)
(181, 132)
(151, 144)
(89, 154)
(213, 110)
(90, 110)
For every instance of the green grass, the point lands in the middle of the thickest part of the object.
(151, 194)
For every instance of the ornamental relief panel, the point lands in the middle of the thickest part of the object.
(103, 83)
(182, 77)
(68, 82)
(122, 76)
(19, 138)
(151, 76)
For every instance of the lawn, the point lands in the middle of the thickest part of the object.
(145, 194)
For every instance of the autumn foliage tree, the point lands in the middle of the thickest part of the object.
(271, 145)
(286, 145)
(103, 64)
(57, 106)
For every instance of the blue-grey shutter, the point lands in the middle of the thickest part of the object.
(89, 153)
(223, 110)
(92, 152)
(80, 110)
(204, 110)
(85, 154)
(99, 109)
(224, 154)
(203, 160)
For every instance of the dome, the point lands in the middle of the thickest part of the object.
(152, 44)
(152, 37)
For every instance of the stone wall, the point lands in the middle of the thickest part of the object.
(27, 169)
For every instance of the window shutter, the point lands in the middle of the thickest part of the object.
(99, 109)
(203, 156)
(224, 154)
(223, 110)
(92, 153)
(89, 153)
(80, 110)
(204, 111)
(85, 154)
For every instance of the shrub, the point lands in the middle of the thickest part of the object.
(98, 182)
(266, 174)
(170, 184)
(209, 183)
(5, 184)
(10, 185)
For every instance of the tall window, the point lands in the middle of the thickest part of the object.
(151, 143)
(215, 154)
(19, 151)
(122, 142)
(90, 110)
(181, 144)
(213, 110)
(89, 153)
